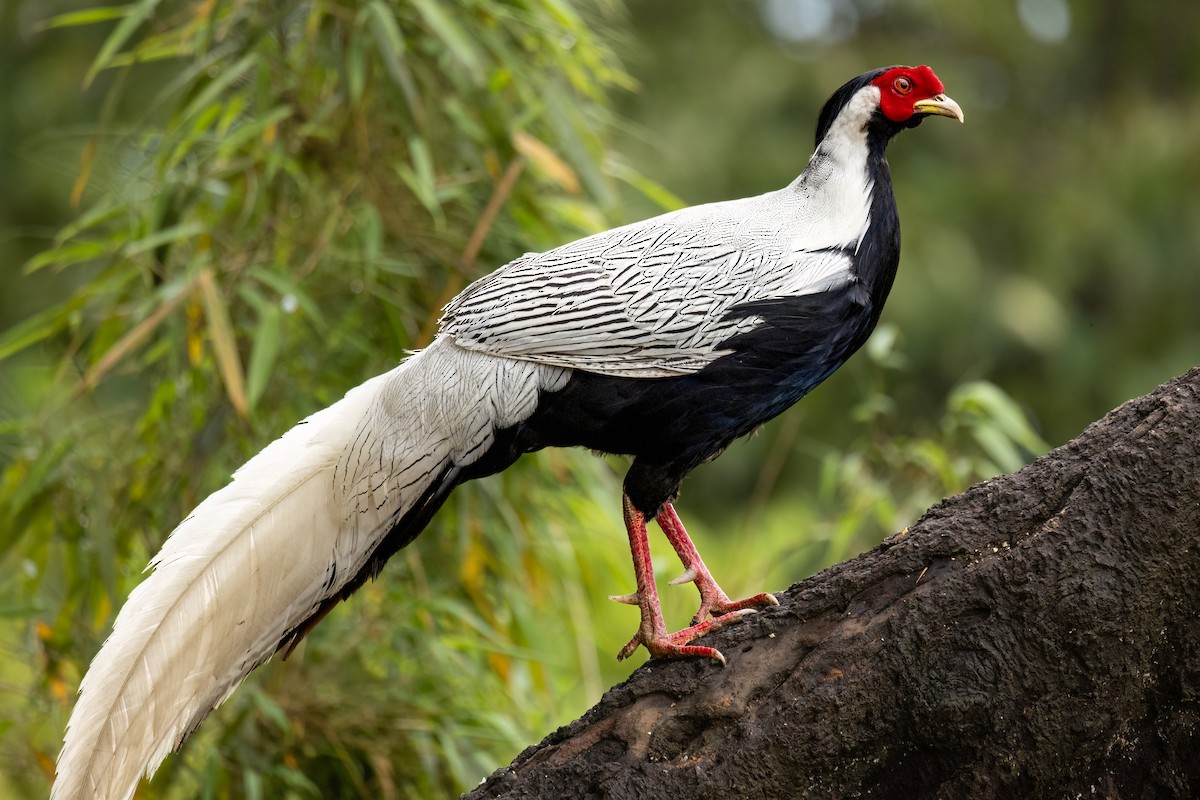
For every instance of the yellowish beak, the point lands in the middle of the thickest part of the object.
(941, 105)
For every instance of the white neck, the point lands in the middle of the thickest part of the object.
(835, 184)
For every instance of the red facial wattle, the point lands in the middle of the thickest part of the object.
(900, 88)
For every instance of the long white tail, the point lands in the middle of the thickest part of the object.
(301, 525)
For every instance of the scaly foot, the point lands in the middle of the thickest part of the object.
(713, 600)
(652, 632)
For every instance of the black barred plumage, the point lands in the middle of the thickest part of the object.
(663, 340)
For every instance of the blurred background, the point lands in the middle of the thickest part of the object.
(218, 216)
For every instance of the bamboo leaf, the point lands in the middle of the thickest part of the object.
(271, 710)
(97, 214)
(209, 93)
(543, 157)
(150, 51)
(86, 159)
(421, 176)
(264, 353)
(25, 480)
(256, 127)
(356, 69)
(89, 16)
(175, 233)
(568, 134)
(131, 340)
(75, 252)
(389, 41)
(220, 328)
(289, 292)
(456, 40)
(135, 16)
(38, 327)
(652, 190)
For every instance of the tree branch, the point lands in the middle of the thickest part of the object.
(1035, 636)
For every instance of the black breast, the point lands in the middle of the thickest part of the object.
(670, 425)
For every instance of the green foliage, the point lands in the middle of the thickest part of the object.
(278, 199)
(274, 202)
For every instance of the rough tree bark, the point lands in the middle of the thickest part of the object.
(1036, 636)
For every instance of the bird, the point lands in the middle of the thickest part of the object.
(662, 340)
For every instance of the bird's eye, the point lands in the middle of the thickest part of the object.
(902, 85)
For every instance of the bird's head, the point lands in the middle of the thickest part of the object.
(892, 98)
(909, 94)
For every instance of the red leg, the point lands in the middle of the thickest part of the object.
(712, 599)
(653, 631)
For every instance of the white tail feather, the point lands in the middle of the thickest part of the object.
(256, 559)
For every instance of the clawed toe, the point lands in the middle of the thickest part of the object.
(723, 605)
(661, 644)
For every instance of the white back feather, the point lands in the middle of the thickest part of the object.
(652, 299)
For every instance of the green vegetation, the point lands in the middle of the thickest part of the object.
(274, 201)
(254, 206)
